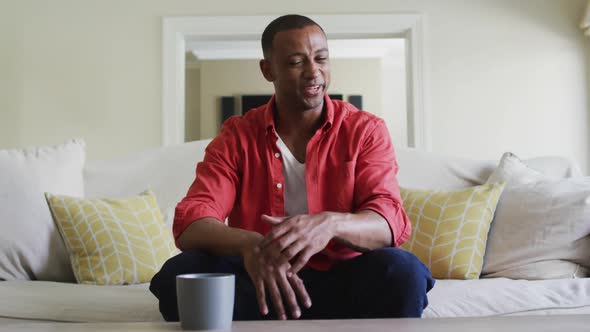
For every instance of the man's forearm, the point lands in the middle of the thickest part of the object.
(362, 231)
(211, 235)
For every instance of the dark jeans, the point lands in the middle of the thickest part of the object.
(383, 283)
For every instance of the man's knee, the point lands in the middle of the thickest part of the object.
(191, 261)
(402, 279)
(401, 272)
(396, 263)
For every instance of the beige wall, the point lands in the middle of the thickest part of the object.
(510, 79)
(501, 74)
(226, 78)
(192, 104)
(237, 77)
(359, 76)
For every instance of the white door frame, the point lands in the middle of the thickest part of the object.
(177, 30)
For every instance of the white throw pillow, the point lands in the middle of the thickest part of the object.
(541, 226)
(30, 244)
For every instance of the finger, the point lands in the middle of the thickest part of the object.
(272, 236)
(268, 256)
(301, 260)
(272, 220)
(293, 250)
(285, 241)
(261, 295)
(300, 290)
(289, 296)
(271, 253)
(291, 237)
(275, 233)
(275, 296)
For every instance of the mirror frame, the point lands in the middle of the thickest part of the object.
(176, 31)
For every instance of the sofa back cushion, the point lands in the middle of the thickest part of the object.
(429, 170)
(168, 171)
(30, 244)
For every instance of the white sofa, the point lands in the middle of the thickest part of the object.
(170, 170)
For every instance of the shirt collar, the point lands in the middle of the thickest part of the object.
(269, 118)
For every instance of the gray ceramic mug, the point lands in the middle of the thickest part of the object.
(205, 300)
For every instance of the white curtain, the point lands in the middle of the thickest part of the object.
(585, 25)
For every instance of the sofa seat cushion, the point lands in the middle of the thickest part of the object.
(69, 302)
(502, 296)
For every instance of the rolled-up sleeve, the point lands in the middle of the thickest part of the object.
(376, 186)
(213, 192)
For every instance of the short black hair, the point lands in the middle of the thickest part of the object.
(283, 23)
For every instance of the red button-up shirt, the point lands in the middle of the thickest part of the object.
(349, 166)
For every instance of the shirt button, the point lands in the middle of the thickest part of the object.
(279, 185)
(277, 155)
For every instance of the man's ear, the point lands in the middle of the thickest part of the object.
(266, 70)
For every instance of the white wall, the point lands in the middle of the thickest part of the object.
(502, 74)
(512, 79)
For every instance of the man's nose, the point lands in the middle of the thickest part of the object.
(312, 70)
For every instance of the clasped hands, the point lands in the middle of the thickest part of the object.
(274, 261)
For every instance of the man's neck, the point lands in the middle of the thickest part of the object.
(295, 122)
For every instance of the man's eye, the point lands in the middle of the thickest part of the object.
(321, 59)
(294, 63)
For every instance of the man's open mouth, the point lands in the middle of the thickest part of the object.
(313, 90)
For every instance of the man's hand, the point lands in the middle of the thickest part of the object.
(300, 236)
(270, 275)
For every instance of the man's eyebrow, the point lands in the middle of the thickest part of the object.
(304, 54)
(297, 54)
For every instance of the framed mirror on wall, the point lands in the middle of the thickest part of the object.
(208, 58)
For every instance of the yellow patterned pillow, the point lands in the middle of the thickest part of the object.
(113, 241)
(450, 228)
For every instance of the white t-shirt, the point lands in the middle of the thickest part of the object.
(294, 188)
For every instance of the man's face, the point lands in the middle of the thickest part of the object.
(299, 67)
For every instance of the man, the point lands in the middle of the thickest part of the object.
(309, 185)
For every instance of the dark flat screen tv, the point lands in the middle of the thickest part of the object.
(252, 101)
